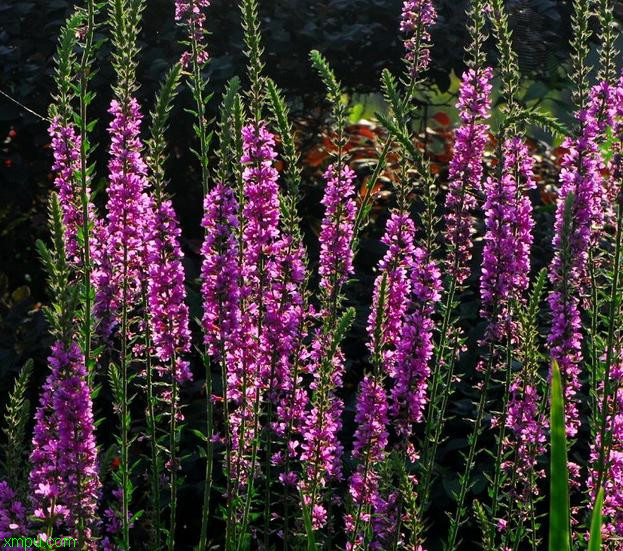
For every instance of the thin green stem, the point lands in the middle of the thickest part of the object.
(613, 324)
(173, 457)
(457, 520)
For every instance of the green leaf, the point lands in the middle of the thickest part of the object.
(594, 543)
(309, 531)
(559, 477)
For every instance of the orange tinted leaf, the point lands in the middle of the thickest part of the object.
(442, 118)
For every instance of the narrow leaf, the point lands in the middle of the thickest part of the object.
(559, 477)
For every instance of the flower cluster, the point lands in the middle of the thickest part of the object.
(129, 215)
(508, 239)
(395, 267)
(415, 348)
(336, 235)
(64, 476)
(370, 442)
(581, 182)
(168, 313)
(466, 170)
(220, 274)
(66, 149)
(191, 13)
(527, 438)
(12, 513)
(418, 16)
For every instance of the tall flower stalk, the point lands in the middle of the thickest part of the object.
(321, 449)
(191, 15)
(64, 478)
(129, 215)
(465, 181)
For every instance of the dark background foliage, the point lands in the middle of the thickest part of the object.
(359, 38)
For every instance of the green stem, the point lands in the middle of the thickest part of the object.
(501, 434)
(207, 483)
(84, 198)
(153, 437)
(457, 520)
(173, 457)
(613, 322)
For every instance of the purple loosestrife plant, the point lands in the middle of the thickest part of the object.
(168, 313)
(321, 449)
(64, 479)
(249, 370)
(581, 183)
(466, 170)
(508, 239)
(220, 291)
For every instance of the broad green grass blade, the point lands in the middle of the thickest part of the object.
(559, 476)
(594, 543)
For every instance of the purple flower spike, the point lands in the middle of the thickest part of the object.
(418, 16)
(508, 239)
(64, 477)
(466, 169)
(580, 176)
(166, 293)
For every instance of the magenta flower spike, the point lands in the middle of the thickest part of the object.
(580, 176)
(369, 449)
(64, 479)
(418, 16)
(130, 214)
(508, 240)
(220, 273)
(415, 348)
(466, 170)
(166, 293)
(336, 234)
(192, 14)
